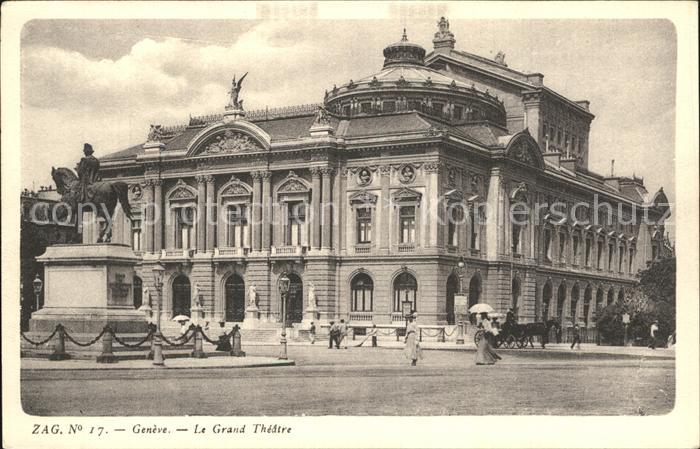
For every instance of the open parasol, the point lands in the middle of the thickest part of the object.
(480, 308)
(181, 318)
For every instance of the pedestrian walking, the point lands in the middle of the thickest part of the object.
(312, 333)
(412, 349)
(653, 329)
(333, 336)
(485, 355)
(373, 334)
(577, 337)
(343, 332)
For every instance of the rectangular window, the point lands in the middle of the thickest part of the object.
(475, 228)
(136, 234)
(296, 217)
(589, 243)
(548, 244)
(389, 106)
(599, 258)
(364, 225)
(516, 230)
(611, 255)
(455, 216)
(575, 250)
(458, 112)
(414, 106)
(366, 108)
(184, 222)
(630, 261)
(237, 226)
(407, 224)
(621, 254)
(346, 109)
(438, 107)
(562, 247)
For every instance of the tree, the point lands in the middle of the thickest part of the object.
(658, 281)
(654, 299)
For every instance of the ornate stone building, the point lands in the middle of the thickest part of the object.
(376, 196)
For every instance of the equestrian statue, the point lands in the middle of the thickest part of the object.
(87, 191)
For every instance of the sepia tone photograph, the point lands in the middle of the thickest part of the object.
(292, 213)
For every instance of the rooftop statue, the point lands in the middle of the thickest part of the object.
(322, 117)
(86, 192)
(234, 102)
(155, 134)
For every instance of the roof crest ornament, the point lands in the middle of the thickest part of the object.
(444, 37)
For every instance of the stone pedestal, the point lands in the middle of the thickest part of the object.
(88, 287)
(310, 315)
(252, 318)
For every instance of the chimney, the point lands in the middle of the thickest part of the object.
(553, 157)
(585, 104)
(569, 163)
(536, 79)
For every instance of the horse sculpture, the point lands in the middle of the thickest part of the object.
(102, 196)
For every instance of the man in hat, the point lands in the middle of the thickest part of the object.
(88, 171)
(653, 329)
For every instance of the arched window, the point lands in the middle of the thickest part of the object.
(181, 296)
(520, 217)
(587, 295)
(561, 302)
(611, 296)
(362, 293)
(515, 295)
(138, 292)
(405, 288)
(621, 296)
(574, 304)
(546, 300)
(452, 288)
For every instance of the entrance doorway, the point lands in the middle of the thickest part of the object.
(452, 290)
(181, 296)
(295, 300)
(235, 298)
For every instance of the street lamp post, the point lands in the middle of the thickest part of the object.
(38, 285)
(626, 321)
(158, 359)
(284, 291)
(461, 268)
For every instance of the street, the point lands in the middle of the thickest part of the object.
(366, 381)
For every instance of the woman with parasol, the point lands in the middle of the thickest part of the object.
(413, 349)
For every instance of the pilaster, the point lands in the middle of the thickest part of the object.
(266, 210)
(384, 211)
(327, 223)
(494, 204)
(315, 218)
(159, 215)
(256, 206)
(211, 214)
(201, 213)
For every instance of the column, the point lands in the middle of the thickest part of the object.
(315, 219)
(337, 208)
(211, 214)
(492, 218)
(255, 225)
(385, 210)
(159, 216)
(326, 204)
(148, 222)
(266, 209)
(201, 214)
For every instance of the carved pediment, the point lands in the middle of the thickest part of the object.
(407, 195)
(235, 187)
(523, 148)
(182, 191)
(454, 196)
(363, 197)
(293, 186)
(230, 141)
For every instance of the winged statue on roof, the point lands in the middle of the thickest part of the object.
(235, 90)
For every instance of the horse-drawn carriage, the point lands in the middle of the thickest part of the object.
(515, 335)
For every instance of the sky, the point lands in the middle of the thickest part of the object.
(105, 81)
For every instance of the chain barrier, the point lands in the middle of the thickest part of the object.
(425, 332)
(391, 332)
(183, 343)
(42, 342)
(449, 334)
(130, 345)
(84, 345)
(209, 340)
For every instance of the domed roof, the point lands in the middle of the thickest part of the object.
(405, 83)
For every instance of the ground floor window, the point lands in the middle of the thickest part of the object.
(405, 288)
(362, 293)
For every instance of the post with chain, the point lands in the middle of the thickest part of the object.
(236, 348)
(152, 332)
(442, 335)
(460, 332)
(107, 355)
(198, 351)
(283, 345)
(59, 349)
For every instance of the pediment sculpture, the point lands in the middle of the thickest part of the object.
(293, 185)
(231, 142)
(521, 153)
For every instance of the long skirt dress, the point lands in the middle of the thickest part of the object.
(484, 353)
(412, 350)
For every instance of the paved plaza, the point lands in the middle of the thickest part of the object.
(368, 381)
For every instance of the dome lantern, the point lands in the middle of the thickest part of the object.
(404, 53)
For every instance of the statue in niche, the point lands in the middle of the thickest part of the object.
(196, 295)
